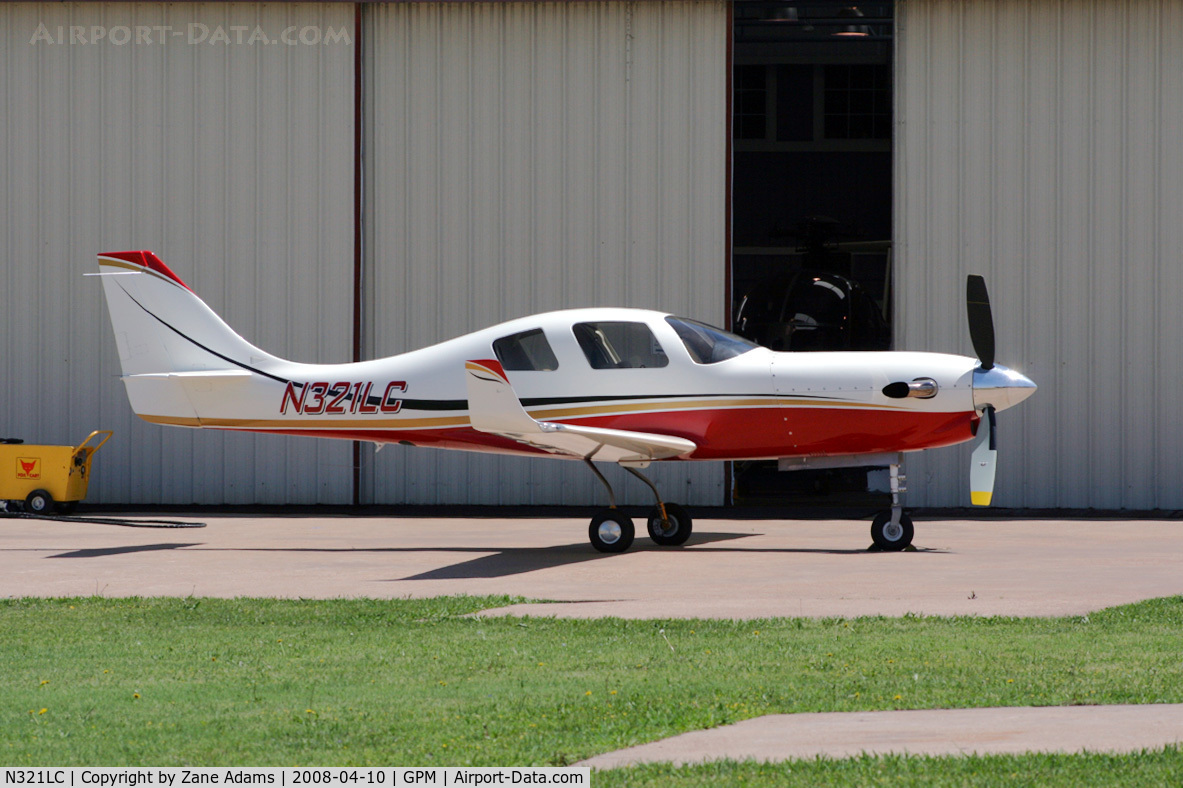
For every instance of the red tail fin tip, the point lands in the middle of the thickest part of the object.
(149, 260)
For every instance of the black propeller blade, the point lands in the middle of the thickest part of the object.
(981, 321)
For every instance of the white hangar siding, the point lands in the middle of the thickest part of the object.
(235, 164)
(1040, 143)
(523, 157)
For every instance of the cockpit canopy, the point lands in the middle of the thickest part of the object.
(621, 344)
(707, 344)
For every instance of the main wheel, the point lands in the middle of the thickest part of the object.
(611, 531)
(892, 537)
(675, 530)
(38, 502)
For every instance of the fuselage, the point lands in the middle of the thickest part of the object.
(756, 404)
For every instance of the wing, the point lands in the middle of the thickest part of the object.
(494, 407)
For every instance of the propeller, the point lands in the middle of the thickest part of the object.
(995, 388)
(983, 461)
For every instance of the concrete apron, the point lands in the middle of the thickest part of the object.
(730, 569)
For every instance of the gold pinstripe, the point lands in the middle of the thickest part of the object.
(761, 402)
(641, 407)
(463, 421)
(184, 421)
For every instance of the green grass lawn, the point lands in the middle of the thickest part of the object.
(1158, 769)
(167, 682)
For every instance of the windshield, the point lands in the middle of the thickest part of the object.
(707, 344)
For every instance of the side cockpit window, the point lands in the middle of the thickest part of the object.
(619, 345)
(707, 344)
(527, 351)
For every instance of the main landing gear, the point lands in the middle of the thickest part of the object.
(611, 531)
(891, 530)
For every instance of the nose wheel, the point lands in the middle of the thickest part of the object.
(892, 530)
(889, 534)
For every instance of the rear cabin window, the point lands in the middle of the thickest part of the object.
(619, 345)
(527, 351)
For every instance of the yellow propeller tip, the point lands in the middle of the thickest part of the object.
(981, 498)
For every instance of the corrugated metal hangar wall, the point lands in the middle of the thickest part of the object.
(524, 156)
(536, 156)
(1041, 145)
(234, 163)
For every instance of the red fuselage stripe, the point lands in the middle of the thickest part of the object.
(723, 434)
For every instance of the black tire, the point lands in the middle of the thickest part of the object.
(611, 531)
(888, 538)
(39, 502)
(678, 529)
(66, 507)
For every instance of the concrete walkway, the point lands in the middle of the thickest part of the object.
(779, 737)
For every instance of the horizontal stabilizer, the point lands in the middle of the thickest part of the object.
(212, 375)
(178, 396)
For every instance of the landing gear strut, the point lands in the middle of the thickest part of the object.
(611, 531)
(892, 529)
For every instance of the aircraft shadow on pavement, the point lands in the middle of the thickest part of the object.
(98, 552)
(494, 562)
(519, 560)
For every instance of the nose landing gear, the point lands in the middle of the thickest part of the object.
(892, 530)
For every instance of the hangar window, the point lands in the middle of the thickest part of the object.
(858, 102)
(619, 345)
(751, 102)
(527, 351)
(707, 344)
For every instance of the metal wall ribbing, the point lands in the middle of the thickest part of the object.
(234, 162)
(524, 157)
(1040, 143)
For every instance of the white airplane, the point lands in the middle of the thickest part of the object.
(628, 386)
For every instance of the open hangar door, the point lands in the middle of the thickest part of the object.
(812, 203)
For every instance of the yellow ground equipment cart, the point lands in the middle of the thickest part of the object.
(44, 478)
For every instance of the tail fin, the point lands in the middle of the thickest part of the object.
(167, 335)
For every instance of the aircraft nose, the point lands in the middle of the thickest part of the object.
(1001, 387)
